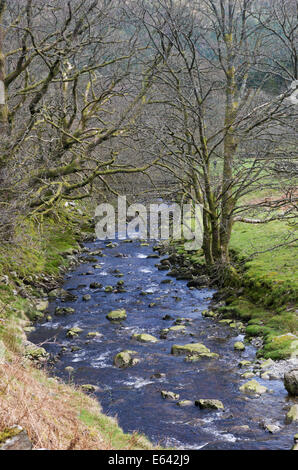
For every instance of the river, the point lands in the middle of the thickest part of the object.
(134, 394)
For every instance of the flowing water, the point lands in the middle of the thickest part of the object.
(133, 394)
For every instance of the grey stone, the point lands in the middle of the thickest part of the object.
(17, 439)
(291, 382)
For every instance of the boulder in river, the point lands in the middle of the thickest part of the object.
(96, 253)
(195, 350)
(86, 297)
(62, 294)
(247, 375)
(94, 334)
(208, 314)
(74, 332)
(88, 259)
(144, 338)
(111, 245)
(169, 395)
(239, 346)
(184, 403)
(244, 364)
(177, 328)
(253, 387)
(125, 359)
(95, 285)
(64, 311)
(42, 305)
(292, 414)
(173, 329)
(291, 382)
(183, 321)
(109, 289)
(295, 446)
(207, 404)
(271, 427)
(88, 388)
(117, 315)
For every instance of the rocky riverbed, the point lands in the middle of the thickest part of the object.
(147, 346)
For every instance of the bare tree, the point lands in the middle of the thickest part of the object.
(222, 134)
(73, 80)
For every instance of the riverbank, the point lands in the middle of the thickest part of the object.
(263, 301)
(173, 355)
(54, 414)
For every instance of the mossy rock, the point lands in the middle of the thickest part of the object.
(95, 285)
(177, 328)
(36, 353)
(182, 321)
(64, 311)
(125, 359)
(291, 382)
(9, 433)
(184, 403)
(94, 334)
(109, 289)
(244, 363)
(29, 329)
(144, 338)
(169, 395)
(193, 350)
(117, 315)
(239, 346)
(207, 404)
(88, 388)
(292, 415)
(247, 375)
(62, 294)
(196, 358)
(34, 315)
(42, 305)
(266, 364)
(226, 322)
(238, 325)
(172, 330)
(253, 387)
(111, 245)
(208, 314)
(74, 332)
